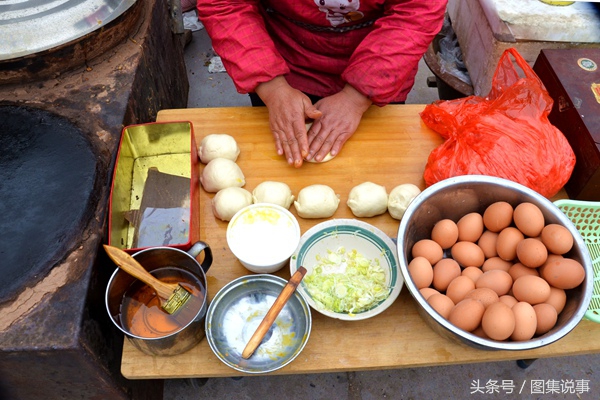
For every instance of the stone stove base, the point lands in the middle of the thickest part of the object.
(57, 340)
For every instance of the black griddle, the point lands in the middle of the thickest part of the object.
(47, 175)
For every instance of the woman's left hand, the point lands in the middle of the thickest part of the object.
(341, 114)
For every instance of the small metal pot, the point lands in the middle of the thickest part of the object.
(152, 258)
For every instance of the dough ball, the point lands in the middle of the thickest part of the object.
(368, 200)
(326, 158)
(218, 145)
(400, 197)
(221, 173)
(273, 192)
(230, 200)
(317, 201)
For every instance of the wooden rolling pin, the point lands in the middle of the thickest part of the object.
(273, 312)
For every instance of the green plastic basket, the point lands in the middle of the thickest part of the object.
(585, 215)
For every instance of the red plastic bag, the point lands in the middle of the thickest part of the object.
(506, 135)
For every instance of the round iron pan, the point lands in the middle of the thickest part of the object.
(48, 170)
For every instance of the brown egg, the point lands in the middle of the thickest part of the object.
(421, 272)
(508, 300)
(531, 252)
(427, 292)
(470, 227)
(480, 333)
(497, 280)
(429, 249)
(445, 233)
(496, 263)
(557, 299)
(546, 316)
(472, 272)
(517, 270)
(563, 273)
(467, 254)
(467, 314)
(441, 303)
(557, 238)
(487, 242)
(444, 271)
(525, 321)
(498, 216)
(529, 219)
(551, 258)
(485, 295)
(531, 289)
(507, 242)
(498, 321)
(459, 287)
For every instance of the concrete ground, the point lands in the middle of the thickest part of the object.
(572, 377)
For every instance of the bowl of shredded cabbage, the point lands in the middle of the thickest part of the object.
(352, 269)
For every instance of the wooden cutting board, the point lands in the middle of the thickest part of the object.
(390, 147)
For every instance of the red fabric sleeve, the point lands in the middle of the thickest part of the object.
(385, 62)
(239, 37)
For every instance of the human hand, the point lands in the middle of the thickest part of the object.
(341, 114)
(288, 110)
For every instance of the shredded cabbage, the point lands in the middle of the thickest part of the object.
(347, 282)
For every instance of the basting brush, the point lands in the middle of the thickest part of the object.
(172, 295)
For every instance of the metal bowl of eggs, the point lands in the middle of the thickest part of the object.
(492, 279)
(352, 269)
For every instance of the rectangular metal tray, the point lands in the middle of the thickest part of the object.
(154, 188)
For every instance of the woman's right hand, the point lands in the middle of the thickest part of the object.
(288, 110)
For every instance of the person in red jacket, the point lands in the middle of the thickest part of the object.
(341, 55)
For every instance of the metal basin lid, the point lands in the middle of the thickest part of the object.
(31, 26)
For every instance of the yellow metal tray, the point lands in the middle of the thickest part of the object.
(154, 186)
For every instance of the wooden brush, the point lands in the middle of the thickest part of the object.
(273, 312)
(172, 295)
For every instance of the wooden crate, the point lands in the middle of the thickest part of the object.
(572, 77)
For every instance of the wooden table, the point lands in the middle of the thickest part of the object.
(390, 147)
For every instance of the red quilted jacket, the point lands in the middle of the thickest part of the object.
(319, 45)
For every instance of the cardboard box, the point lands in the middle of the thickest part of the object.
(154, 190)
(572, 78)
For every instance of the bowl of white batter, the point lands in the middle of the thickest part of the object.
(263, 237)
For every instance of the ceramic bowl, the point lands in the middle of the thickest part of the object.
(348, 235)
(263, 237)
(455, 197)
(236, 311)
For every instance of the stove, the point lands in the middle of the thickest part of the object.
(81, 71)
(45, 38)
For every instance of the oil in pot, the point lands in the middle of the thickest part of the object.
(141, 313)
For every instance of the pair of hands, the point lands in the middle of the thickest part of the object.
(335, 119)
